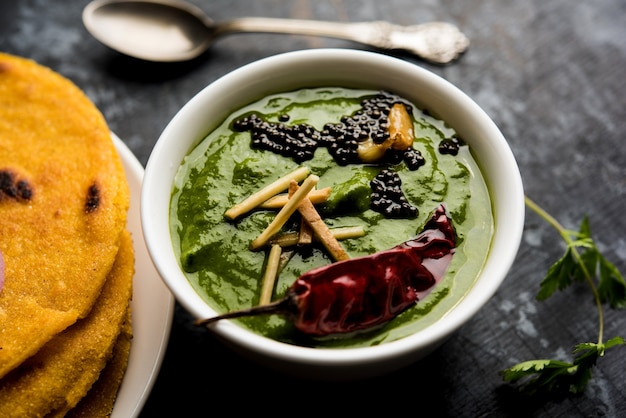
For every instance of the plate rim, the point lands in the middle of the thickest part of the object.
(152, 305)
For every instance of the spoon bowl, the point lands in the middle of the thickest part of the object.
(160, 31)
(174, 30)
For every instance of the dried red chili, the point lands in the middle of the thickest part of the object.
(365, 292)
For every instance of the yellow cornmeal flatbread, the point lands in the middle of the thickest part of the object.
(101, 398)
(59, 375)
(63, 205)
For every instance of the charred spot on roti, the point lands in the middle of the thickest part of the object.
(93, 198)
(13, 187)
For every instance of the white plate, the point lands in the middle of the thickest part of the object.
(152, 306)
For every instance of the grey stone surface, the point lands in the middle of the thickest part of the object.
(551, 74)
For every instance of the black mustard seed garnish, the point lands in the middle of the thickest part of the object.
(342, 139)
(387, 196)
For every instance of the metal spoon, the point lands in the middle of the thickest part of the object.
(173, 30)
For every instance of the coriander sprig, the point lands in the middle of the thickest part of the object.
(582, 262)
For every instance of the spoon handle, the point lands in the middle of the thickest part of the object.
(437, 42)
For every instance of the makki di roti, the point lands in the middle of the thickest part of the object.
(67, 254)
(100, 399)
(63, 206)
(61, 373)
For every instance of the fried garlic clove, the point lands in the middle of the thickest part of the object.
(400, 136)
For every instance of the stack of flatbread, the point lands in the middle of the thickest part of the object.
(65, 320)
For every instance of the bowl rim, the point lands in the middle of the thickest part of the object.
(461, 112)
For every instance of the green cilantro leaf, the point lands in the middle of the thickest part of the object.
(540, 375)
(551, 376)
(612, 287)
(559, 275)
(573, 266)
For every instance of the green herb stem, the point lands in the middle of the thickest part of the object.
(565, 234)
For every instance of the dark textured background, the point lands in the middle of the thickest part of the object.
(552, 75)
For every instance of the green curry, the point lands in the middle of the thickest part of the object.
(224, 169)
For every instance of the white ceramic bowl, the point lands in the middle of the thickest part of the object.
(347, 68)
